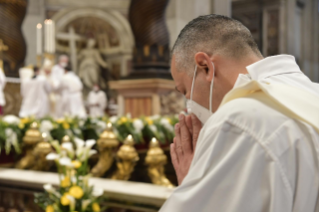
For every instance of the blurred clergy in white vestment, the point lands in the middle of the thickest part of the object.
(35, 89)
(71, 92)
(97, 102)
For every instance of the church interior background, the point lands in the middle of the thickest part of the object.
(124, 47)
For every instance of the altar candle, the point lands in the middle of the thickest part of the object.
(46, 36)
(39, 39)
(53, 36)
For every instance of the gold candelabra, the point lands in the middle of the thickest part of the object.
(126, 160)
(30, 140)
(106, 145)
(156, 159)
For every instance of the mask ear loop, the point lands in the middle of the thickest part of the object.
(192, 89)
(211, 92)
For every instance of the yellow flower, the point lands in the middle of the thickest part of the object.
(65, 182)
(76, 191)
(21, 125)
(24, 120)
(122, 120)
(49, 208)
(96, 207)
(66, 125)
(149, 121)
(65, 200)
(169, 120)
(77, 164)
(59, 121)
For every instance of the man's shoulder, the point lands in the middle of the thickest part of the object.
(250, 114)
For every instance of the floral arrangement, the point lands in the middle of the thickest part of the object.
(12, 129)
(74, 192)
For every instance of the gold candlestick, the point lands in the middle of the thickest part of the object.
(156, 159)
(126, 160)
(106, 145)
(31, 138)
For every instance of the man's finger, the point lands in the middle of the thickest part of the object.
(189, 124)
(186, 139)
(177, 141)
(197, 126)
(174, 157)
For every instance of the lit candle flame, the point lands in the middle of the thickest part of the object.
(39, 26)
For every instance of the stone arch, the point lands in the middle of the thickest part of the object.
(113, 17)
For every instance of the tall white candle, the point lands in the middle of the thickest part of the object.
(39, 39)
(53, 37)
(49, 36)
(46, 36)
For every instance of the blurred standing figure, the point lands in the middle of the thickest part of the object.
(2, 85)
(35, 94)
(97, 102)
(71, 92)
(56, 76)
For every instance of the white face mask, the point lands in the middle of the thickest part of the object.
(201, 112)
(63, 64)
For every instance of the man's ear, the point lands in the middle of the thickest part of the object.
(204, 62)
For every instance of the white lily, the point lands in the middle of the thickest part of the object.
(138, 125)
(97, 192)
(11, 119)
(12, 139)
(85, 204)
(56, 146)
(72, 202)
(46, 126)
(153, 128)
(89, 143)
(69, 148)
(65, 161)
(92, 152)
(49, 188)
(79, 143)
(113, 119)
(167, 125)
(52, 156)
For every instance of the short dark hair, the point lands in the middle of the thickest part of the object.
(68, 68)
(35, 69)
(213, 34)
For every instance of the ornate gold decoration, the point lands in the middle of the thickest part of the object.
(30, 140)
(40, 152)
(66, 139)
(106, 145)
(126, 160)
(156, 159)
(3, 48)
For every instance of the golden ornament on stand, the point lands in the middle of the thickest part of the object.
(106, 145)
(126, 160)
(66, 139)
(40, 152)
(30, 140)
(156, 159)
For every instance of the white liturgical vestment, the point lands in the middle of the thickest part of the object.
(56, 76)
(35, 97)
(71, 89)
(260, 151)
(2, 85)
(97, 102)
